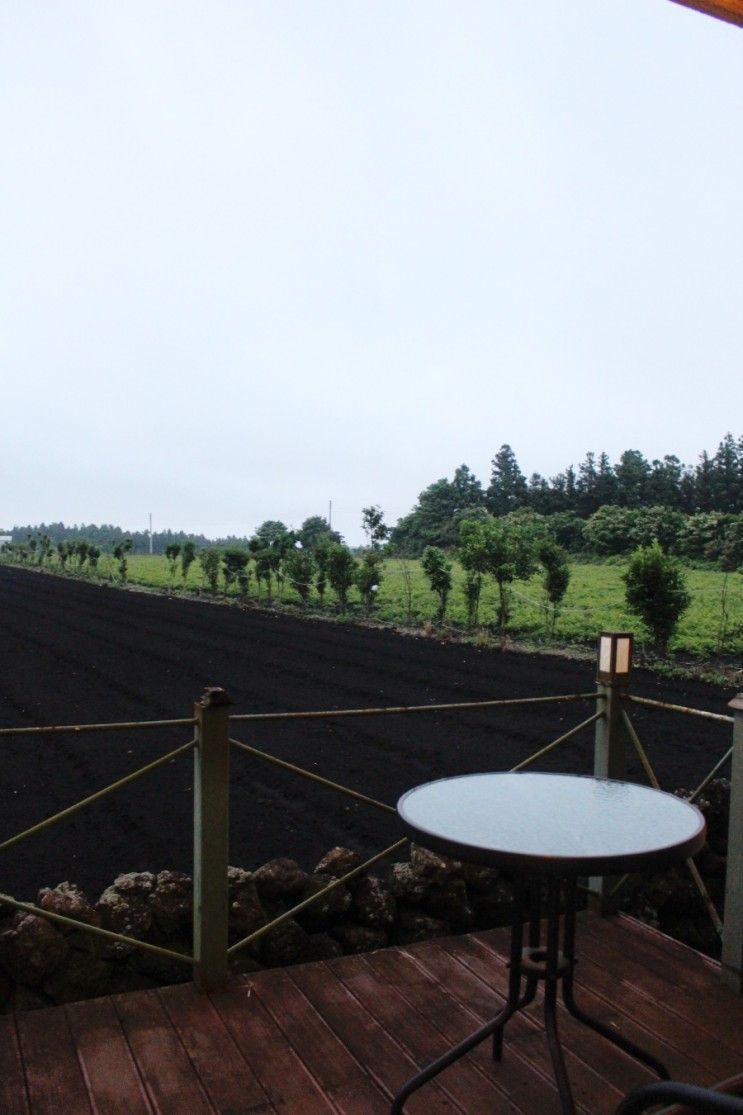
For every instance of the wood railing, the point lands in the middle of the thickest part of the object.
(213, 727)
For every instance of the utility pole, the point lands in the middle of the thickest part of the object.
(330, 514)
(150, 533)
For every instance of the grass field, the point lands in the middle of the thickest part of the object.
(594, 602)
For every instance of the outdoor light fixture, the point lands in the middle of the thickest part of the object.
(615, 656)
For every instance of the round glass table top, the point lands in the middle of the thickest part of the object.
(552, 823)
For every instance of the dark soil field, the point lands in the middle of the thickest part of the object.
(73, 652)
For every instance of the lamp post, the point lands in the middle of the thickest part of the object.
(614, 662)
(614, 665)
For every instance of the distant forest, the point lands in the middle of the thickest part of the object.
(106, 536)
(598, 508)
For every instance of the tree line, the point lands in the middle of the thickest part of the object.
(106, 536)
(599, 508)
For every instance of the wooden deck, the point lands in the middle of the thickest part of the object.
(343, 1036)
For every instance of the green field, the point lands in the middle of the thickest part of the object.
(594, 602)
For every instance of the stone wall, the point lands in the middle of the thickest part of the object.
(426, 896)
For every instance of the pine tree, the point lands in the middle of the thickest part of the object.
(508, 489)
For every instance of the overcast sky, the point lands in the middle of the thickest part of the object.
(260, 256)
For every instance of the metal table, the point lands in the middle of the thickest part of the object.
(547, 830)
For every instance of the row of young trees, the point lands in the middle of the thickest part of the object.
(701, 507)
(314, 559)
(508, 548)
(310, 560)
(513, 547)
(79, 555)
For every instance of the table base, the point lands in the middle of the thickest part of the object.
(528, 965)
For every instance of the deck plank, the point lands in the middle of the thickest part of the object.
(415, 1032)
(514, 1080)
(166, 1070)
(471, 983)
(665, 970)
(636, 1019)
(343, 1036)
(601, 995)
(281, 1073)
(659, 993)
(107, 1064)
(338, 1074)
(671, 979)
(688, 1051)
(13, 1097)
(225, 1074)
(366, 1038)
(53, 1076)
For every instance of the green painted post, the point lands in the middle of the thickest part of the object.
(732, 933)
(211, 833)
(610, 739)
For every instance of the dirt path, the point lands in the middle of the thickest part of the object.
(72, 652)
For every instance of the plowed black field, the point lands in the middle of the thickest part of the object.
(72, 652)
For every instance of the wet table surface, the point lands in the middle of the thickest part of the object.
(553, 824)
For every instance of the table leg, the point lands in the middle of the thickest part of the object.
(520, 888)
(550, 964)
(555, 970)
(495, 1026)
(568, 998)
(535, 936)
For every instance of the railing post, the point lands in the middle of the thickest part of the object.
(732, 934)
(211, 834)
(610, 739)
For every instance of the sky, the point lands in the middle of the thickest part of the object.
(258, 257)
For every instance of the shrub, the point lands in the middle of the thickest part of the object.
(610, 530)
(437, 569)
(369, 578)
(234, 562)
(556, 578)
(188, 556)
(731, 557)
(505, 548)
(567, 529)
(341, 570)
(301, 569)
(658, 524)
(120, 550)
(656, 592)
(264, 564)
(702, 536)
(209, 561)
(172, 553)
(321, 561)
